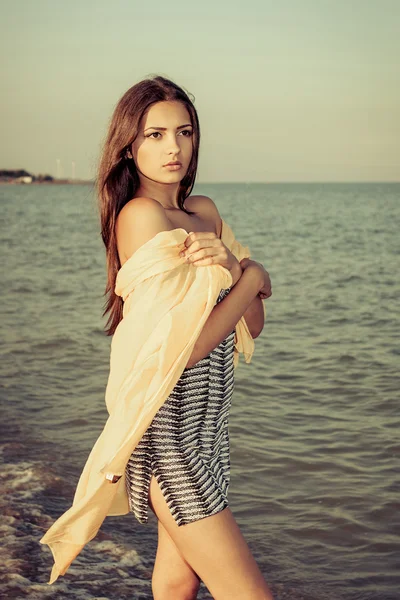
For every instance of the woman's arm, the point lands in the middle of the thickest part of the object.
(254, 314)
(254, 317)
(227, 313)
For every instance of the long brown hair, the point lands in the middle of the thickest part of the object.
(118, 180)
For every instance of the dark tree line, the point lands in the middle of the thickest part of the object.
(16, 173)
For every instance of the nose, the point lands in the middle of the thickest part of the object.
(172, 145)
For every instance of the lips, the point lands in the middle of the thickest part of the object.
(176, 162)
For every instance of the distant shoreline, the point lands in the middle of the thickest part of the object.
(53, 182)
(24, 177)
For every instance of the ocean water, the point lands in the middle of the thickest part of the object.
(314, 426)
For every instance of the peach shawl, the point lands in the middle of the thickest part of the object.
(166, 304)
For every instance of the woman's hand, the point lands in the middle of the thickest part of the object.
(205, 248)
(266, 290)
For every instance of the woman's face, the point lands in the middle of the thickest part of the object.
(165, 135)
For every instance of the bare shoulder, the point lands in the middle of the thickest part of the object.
(206, 208)
(137, 223)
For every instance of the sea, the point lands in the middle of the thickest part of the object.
(315, 420)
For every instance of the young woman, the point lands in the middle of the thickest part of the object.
(146, 174)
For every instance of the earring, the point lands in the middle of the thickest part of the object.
(128, 154)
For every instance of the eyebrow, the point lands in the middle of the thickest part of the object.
(165, 129)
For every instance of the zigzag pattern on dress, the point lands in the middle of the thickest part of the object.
(186, 445)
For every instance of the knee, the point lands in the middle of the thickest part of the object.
(174, 588)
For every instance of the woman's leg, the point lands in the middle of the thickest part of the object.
(173, 578)
(215, 549)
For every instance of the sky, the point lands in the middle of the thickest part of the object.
(286, 91)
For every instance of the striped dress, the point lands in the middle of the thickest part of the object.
(186, 446)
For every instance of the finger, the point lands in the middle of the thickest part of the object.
(194, 253)
(202, 244)
(198, 237)
(203, 262)
(207, 255)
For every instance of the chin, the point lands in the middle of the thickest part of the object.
(174, 175)
(171, 177)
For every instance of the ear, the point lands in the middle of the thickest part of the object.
(128, 154)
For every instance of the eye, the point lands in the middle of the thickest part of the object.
(188, 131)
(154, 133)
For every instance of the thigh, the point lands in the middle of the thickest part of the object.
(216, 550)
(170, 566)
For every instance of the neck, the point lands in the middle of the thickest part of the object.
(165, 193)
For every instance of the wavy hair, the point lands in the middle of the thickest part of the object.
(117, 177)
